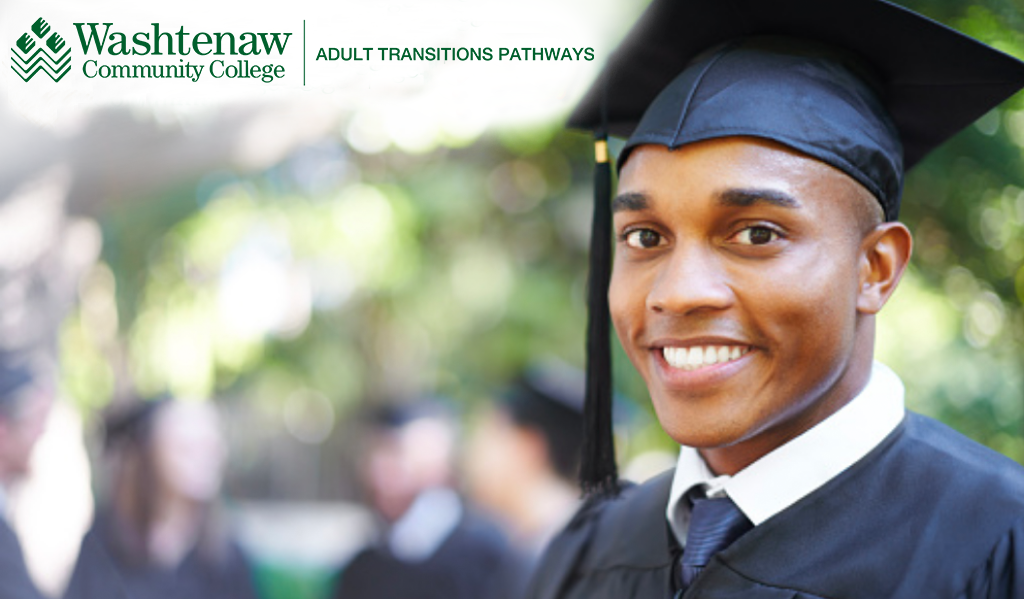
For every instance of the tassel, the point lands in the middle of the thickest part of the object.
(598, 471)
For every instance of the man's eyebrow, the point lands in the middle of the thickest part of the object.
(742, 198)
(630, 201)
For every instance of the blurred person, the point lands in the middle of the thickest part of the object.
(158, 532)
(523, 462)
(431, 544)
(25, 403)
(52, 506)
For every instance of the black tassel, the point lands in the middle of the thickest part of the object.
(598, 471)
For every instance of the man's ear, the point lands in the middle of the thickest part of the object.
(885, 252)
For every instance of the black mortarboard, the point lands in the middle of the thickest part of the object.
(131, 421)
(395, 414)
(548, 398)
(863, 85)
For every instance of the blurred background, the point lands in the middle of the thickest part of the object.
(295, 262)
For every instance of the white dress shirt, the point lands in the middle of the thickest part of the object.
(426, 525)
(790, 472)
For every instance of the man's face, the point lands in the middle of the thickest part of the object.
(405, 461)
(734, 291)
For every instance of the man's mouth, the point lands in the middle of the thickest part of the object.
(699, 356)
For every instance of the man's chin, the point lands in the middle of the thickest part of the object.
(702, 437)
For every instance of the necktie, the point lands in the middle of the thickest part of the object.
(714, 525)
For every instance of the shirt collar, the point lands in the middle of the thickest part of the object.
(426, 525)
(792, 471)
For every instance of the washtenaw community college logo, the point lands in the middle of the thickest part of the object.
(34, 52)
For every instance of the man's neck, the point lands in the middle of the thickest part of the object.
(733, 458)
(543, 506)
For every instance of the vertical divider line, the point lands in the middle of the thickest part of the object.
(303, 52)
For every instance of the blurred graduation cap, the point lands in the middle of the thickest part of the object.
(397, 413)
(865, 86)
(14, 378)
(131, 420)
(548, 397)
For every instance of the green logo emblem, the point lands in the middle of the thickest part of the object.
(47, 56)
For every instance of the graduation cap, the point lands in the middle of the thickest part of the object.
(14, 379)
(548, 398)
(865, 86)
(131, 421)
(396, 414)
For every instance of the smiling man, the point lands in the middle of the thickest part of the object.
(755, 241)
(742, 293)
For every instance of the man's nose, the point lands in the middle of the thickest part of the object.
(692, 280)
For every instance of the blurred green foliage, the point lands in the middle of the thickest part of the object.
(365, 276)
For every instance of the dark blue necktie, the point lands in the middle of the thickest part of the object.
(714, 525)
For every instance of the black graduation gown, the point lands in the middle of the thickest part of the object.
(928, 514)
(98, 574)
(463, 567)
(15, 582)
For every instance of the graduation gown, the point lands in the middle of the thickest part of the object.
(465, 566)
(98, 574)
(15, 582)
(926, 514)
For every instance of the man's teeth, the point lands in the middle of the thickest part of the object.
(692, 358)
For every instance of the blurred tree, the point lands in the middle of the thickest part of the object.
(955, 330)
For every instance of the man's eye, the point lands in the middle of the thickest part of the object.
(756, 236)
(643, 238)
